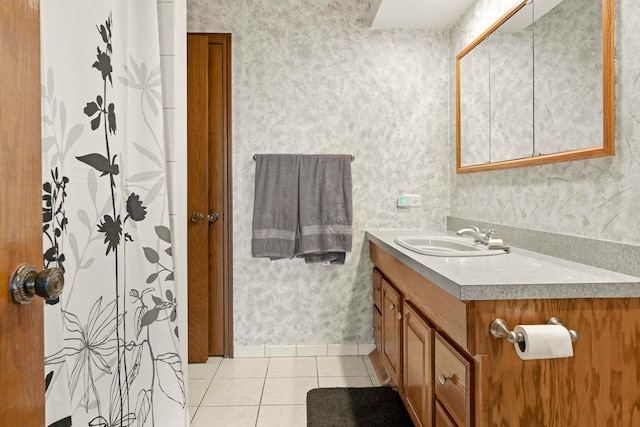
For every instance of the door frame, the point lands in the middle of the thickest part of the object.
(226, 213)
(227, 229)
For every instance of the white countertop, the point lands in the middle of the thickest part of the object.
(519, 274)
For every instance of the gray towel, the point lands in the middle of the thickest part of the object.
(325, 208)
(275, 208)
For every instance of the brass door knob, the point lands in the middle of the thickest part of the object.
(196, 217)
(212, 217)
(27, 282)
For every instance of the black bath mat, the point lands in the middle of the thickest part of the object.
(356, 407)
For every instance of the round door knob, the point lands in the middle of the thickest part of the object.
(443, 379)
(196, 217)
(27, 282)
(212, 217)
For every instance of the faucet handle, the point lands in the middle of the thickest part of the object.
(488, 232)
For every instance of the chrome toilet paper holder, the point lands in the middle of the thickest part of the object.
(500, 329)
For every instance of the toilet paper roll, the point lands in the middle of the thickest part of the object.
(543, 342)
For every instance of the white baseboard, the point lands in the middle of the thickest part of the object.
(302, 350)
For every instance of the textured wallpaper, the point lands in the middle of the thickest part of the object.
(597, 198)
(310, 77)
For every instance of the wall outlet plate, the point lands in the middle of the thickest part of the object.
(409, 200)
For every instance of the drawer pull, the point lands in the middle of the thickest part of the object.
(443, 380)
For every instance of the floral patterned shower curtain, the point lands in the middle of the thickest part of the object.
(111, 341)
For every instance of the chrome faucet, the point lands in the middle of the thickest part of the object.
(474, 232)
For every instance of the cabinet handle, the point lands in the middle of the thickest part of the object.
(391, 306)
(443, 380)
(399, 316)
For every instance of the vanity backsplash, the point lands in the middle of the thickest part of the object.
(614, 256)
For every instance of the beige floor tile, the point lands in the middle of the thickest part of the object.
(341, 366)
(243, 368)
(192, 412)
(282, 416)
(226, 416)
(197, 389)
(375, 381)
(287, 391)
(234, 392)
(289, 367)
(204, 370)
(344, 382)
(278, 385)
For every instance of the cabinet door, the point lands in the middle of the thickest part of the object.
(418, 366)
(377, 329)
(442, 419)
(454, 382)
(391, 331)
(377, 288)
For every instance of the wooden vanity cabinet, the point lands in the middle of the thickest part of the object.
(455, 374)
(377, 289)
(392, 331)
(377, 314)
(407, 350)
(377, 329)
(442, 419)
(417, 351)
(453, 382)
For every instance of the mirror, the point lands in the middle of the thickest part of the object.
(475, 104)
(511, 100)
(537, 87)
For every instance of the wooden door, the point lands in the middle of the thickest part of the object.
(417, 367)
(209, 195)
(21, 336)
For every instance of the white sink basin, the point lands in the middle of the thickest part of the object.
(446, 246)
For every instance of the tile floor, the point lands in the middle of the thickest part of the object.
(261, 392)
